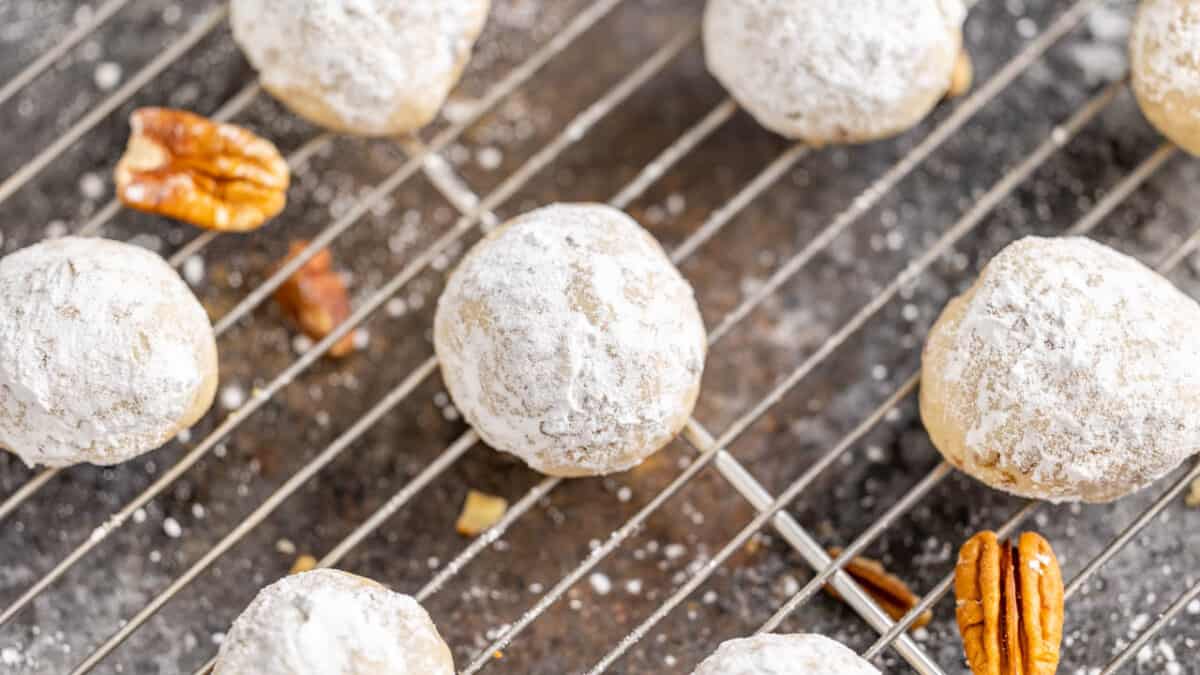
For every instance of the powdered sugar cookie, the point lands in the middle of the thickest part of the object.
(794, 654)
(368, 67)
(104, 352)
(328, 622)
(1068, 372)
(832, 71)
(567, 338)
(1164, 47)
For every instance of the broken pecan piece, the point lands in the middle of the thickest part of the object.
(1010, 605)
(216, 176)
(316, 298)
(886, 589)
(304, 563)
(480, 511)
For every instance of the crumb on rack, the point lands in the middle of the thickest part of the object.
(304, 563)
(480, 511)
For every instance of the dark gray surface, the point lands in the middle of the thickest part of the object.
(134, 564)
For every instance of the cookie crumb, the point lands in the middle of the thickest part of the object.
(304, 563)
(480, 511)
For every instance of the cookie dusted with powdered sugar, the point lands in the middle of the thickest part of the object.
(367, 67)
(566, 337)
(328, 622)
(793, 654)
(1068, 372)
(1164, 47)
(834, 71)
(104, 352)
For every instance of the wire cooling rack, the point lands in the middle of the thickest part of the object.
(830, 452)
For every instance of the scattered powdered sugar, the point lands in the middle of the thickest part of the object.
(568, 338)
(832, 70)
(104, 352)
(1100, 62)
(1072, 370)
(328, 622)
(370, 66)
(773, 654)
(1165, 48)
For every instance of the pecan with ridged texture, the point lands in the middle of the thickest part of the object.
(886, 589)
(212, 175)
(316, 298)
(1010, 605)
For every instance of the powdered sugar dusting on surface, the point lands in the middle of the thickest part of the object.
(793, 654)
(1166, 48)
(328, 622)
(367, 60)
(1079, 367)
(569, 339)
(826, 69)
(101, 351)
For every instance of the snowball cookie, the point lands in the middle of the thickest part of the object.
(1164, 50)
(1068, 372)
(368, 67)
(327, 622)
(834, 71)
(104, 352)
(795, 654)
(567, 338)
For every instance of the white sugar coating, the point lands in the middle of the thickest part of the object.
(1164, 48)
(791, 654)
(370, 67)
(831, 70)
(1067, 372)
(328, 622)
(104, 352)
(567, 338)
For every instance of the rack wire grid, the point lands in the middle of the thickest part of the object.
(818, 271)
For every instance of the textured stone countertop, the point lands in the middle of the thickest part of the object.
(181, 524)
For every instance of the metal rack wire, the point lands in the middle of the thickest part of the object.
(478, 212)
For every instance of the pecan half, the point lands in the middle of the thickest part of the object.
(316, 298)
(1010, 605)
(887, 590)
(216, 176)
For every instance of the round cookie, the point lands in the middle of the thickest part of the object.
(566, 337)
(833, 71)
(793, 654)
(104, 352)
(327, 622)
(1164, 48)
(366, 67)
(1067, 372)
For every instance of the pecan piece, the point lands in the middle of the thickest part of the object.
(216, 176)
(304, 563)
(886, 589)
(316, 298)
(480, 511)
(1010, 605)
